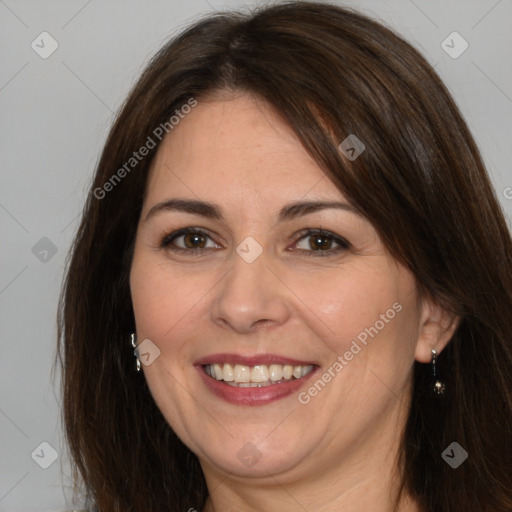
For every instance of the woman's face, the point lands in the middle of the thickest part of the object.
(255, 289)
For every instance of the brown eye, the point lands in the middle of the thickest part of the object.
(320, 242)
(188, 239)
(194, 240)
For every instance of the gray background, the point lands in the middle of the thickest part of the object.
(55, 115)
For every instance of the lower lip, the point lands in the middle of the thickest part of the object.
(253, 396)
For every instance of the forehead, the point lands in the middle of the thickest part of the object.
(236, 148)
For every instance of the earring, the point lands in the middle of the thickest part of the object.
(133, 339)
(438, 387)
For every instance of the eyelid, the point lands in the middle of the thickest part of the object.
(169, 238)
(342, 242)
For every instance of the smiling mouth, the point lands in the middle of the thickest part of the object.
(257, 376)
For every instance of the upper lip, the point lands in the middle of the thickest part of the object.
(255, 360)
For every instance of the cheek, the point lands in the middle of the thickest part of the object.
(170, 306)
(163, 305)
(347, 301)
(149, 304)
(161, 299)
(367, 314)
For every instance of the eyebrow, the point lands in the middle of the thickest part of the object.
(212, 211)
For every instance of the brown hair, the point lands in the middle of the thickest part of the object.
(421, 182)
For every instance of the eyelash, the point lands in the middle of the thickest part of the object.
(166, 242)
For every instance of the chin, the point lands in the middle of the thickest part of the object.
(257, 458)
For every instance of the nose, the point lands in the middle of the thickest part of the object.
(250, 297)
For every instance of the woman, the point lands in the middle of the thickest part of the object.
(292, 226)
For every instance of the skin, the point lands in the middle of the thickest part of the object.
(337, 452)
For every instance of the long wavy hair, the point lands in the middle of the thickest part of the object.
(421, 182)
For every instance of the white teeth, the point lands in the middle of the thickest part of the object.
(275, 372)
(242, 373)
(227, 373)
(256, 376)
(259, 373)
(287, 371)
(217, 371)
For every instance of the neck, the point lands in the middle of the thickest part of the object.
(374, 499)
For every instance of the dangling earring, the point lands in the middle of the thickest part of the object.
(133, 339)
(438, 387)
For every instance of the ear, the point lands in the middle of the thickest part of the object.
(437, 326)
